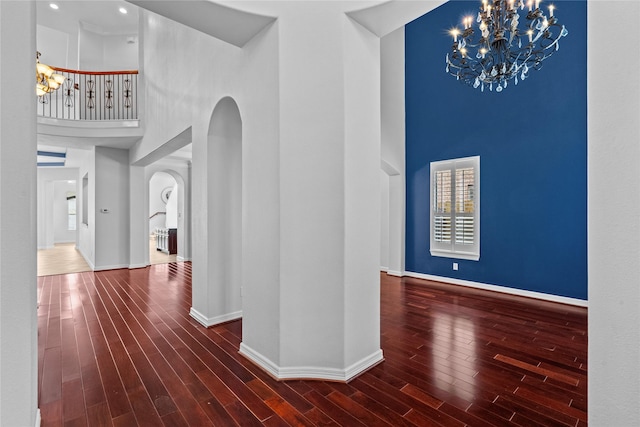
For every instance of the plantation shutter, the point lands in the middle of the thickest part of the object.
(442, 203)
(455, 208)
(465, 208)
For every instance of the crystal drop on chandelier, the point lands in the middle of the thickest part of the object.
(506, 44)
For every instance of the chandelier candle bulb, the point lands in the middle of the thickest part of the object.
(455, 32)
(497, 53)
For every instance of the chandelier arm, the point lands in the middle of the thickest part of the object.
(500, 51)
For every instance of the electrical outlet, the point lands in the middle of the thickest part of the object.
(455, 266)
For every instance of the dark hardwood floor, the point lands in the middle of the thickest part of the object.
(119, 348)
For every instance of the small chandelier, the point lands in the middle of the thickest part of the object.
(46, 79)
(501, 50)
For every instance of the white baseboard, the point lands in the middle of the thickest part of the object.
(212, 321)
(45, 247)
(38, 418)
(395, 273)
(502, 289)
(311, 372)
(179, 258)
(134, 266)
(110, 267)
(384, 269)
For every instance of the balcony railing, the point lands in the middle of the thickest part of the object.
(90, 95)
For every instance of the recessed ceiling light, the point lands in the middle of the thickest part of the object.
(123, 10)
(53, 6)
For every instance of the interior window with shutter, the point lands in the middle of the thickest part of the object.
(455, 208)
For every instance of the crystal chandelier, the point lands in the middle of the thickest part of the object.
(46, 79)
(502, 50)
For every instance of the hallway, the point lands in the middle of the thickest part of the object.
(119, 348)
(64, 258)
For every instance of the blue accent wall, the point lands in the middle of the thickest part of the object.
(532, 143)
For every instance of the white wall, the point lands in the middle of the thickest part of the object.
(18, 285)
(61, 232)
(46, 184)
(105, 52)
(384, 221)
(120, 52)
(111, 194)
(58, 48)
(90, 50)
(393, 142)
(172, 208)
(158, 182)
(613, 248)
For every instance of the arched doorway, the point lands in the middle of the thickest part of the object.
(168, 213)
(163, 218)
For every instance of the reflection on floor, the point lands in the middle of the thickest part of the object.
(64, 258)
(157, 257)
(119, 348)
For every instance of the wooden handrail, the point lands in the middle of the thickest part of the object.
(94, 73)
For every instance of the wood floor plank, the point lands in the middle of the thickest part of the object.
(118, 348)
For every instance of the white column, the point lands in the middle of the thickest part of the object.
(614, 214)
(18, 299)
(329, 162)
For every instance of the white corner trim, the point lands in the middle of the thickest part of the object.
(395, 273)
(212, 321)
(38, 418)
(311, 372)
(86, 258)
(501, 289)
(260, 360)
(364, 364)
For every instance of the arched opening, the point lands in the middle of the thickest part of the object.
(168, 216)
(223, 219)
(163, 218)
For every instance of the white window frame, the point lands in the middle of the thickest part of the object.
(453, 248)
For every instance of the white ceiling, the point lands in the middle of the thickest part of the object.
(102, 16)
